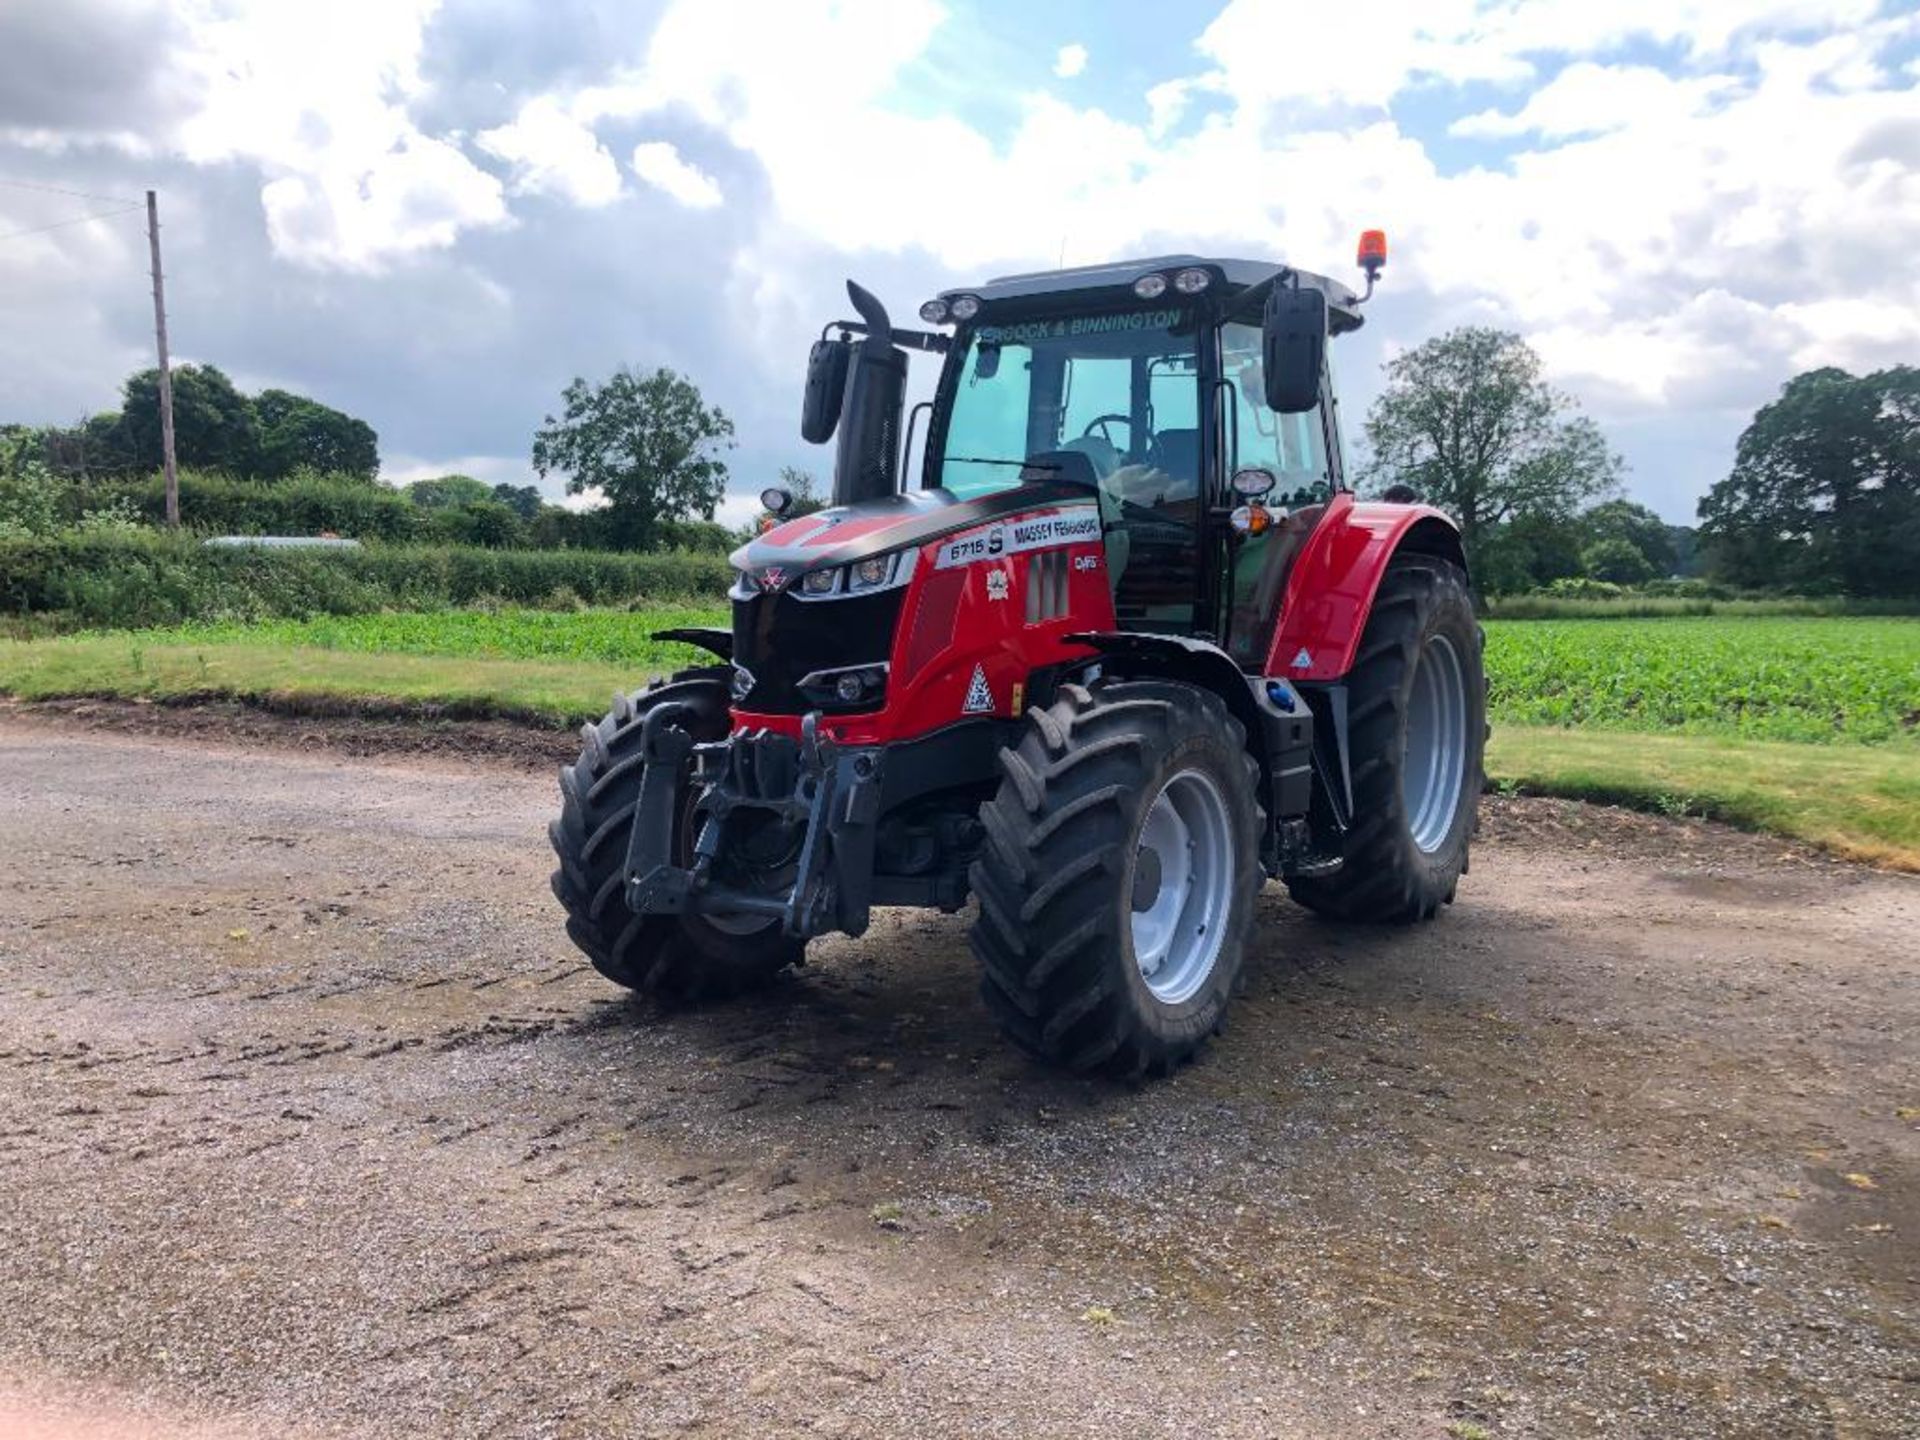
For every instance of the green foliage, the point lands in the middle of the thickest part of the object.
(1466, 420)
(305, 504)
(152, 578)
(1636, 527)
(444, 491)
(478, 522)
(617, 636)
(269, 436)
(296, 434)
(523, 500)
(30, 496)
(213, 423)
(649, 443)
(1818, 680)
(1825, 488)
(1616, 560)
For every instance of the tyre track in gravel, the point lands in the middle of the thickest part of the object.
(308, 1115)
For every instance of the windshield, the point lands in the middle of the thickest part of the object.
(1121, 388)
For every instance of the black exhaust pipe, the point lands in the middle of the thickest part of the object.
(867, 464)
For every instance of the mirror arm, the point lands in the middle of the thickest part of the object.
(1254, 297)
(909, 339)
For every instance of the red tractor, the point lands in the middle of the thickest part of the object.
(1130, 649)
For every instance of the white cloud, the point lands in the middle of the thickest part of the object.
(554, 154)
(1590, 99)
(658, 163)
(1668, 239)
(318, 98)
(1071, 61)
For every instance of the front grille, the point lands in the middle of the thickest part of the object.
(779, 639)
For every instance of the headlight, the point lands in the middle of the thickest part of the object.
(853, 687)
(1192, 280)
(964, 307)
(869, 574)
(1150, 287)
(855, 578)
(934, 312)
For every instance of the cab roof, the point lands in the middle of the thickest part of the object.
(1118, 277)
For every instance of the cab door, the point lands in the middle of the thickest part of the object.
(1296, 450)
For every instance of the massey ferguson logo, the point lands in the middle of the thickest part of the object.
(772, 578)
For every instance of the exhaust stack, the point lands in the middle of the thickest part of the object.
(867, 464)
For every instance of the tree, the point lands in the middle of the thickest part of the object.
(1635, 526)
(480, 522)
(1616, 560)
(649, 443)
(1825, 488)
(523, 500)
(444, 492)
(1468, 422)
(1528, 552)
(296, 433)
(213, 423)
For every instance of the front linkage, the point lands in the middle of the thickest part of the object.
(826, 795)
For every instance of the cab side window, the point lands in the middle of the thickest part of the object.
(1293, 447)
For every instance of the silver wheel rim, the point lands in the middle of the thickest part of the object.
(1436, 759)
(1178, 929)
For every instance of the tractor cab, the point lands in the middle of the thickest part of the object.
(1143, 386)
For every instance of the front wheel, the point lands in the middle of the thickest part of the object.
(1416, 734)
(673, 957)
(1118, 879)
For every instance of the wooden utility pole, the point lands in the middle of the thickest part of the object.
(166, 377)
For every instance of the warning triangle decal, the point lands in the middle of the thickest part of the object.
(1303, 661)
(979, 696)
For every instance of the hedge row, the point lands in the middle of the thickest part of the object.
(303, 505)
(119, 580)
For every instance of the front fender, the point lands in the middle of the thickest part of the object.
(1331, 587)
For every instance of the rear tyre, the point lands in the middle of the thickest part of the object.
(1118, 878)
(1416, 730)
(673, 957)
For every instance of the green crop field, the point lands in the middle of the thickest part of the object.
(1820, 680)
(1806, 726)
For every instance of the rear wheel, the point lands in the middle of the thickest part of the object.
(673, 957)
(1416, 699)
(1118, 881)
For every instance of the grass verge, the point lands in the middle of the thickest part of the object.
(290, 677)
(1860, 801)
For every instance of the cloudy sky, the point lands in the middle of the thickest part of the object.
(434, 214)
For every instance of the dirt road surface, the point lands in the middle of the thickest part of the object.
(312, 1124)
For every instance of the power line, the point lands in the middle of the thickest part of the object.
(77, 220)
(62, 190)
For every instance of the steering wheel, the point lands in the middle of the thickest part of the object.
(1101, 422)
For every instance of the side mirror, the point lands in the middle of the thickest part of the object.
(1294, 348)
(827, 367)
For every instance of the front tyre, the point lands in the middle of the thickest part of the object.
(1416, 733)
(1118, 879)
(672, 957)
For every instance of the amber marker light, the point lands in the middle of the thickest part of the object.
(1373, 250)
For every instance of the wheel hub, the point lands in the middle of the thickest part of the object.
(1183, 870)
(1433, 776)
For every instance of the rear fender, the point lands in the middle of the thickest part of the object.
(1330, 590)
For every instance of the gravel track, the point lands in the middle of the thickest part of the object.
(312, 1124)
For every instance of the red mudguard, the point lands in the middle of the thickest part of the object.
(1331, 587)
